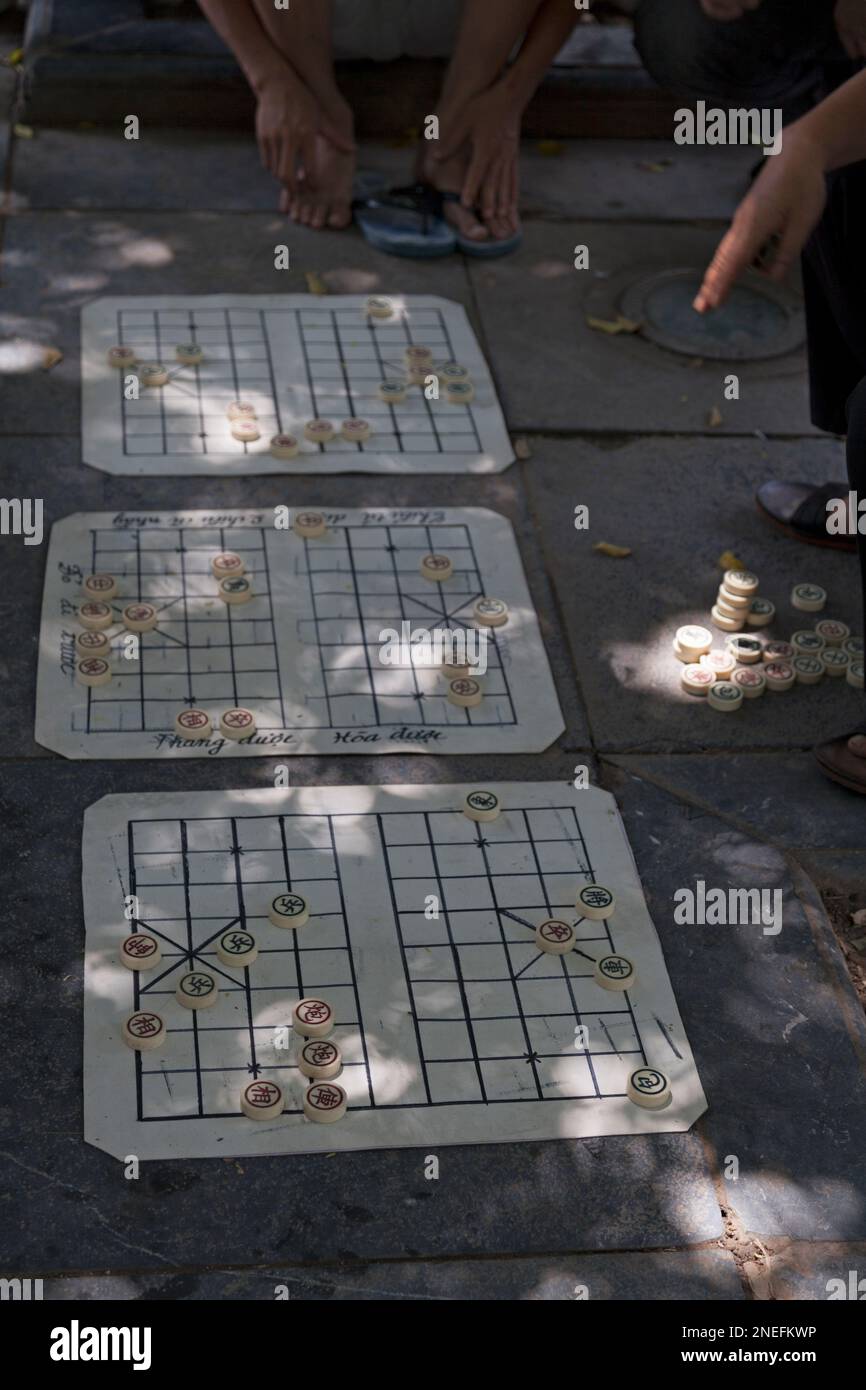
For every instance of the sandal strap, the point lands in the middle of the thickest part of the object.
(422, 199)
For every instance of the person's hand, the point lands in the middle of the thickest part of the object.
(288, 120)
(728, 9)
(786, 202)
(851, 24)
(489, 126)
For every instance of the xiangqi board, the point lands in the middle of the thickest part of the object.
(291, 359)
(451, 1024)
(305, 653)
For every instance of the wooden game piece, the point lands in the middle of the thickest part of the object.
(152, 374)
(482, 806)
(100, 587)
(490, 612)
(595, 902)
(697, 679)
(648, 1088)
(237, 949)
(854, 672)
(853, 646)
(721, 663)
(320, 1059)
(722, 620)
(807, 643)
(313, 1018)
(727, 611)
(451, 372)
(193, 723)
(835, 661)
(725, 697)
(378, 307)
(262, 1100)
(92, 644)
(319, 431)
(693, 641)
(761, 612)
(834, 633)
(416, 356)
(284, 446)
(289, 910)
(455, 673)
(197, 990)
(235, 590)
(93, 671)
(460, 393)
(391, 392)
(309, 525)
(240, 410)
(140, 952)
(779, 651)
(741, 582)
(465, 692)
(95, 615)
(121, 357)
(737, 603)
(143, 1031)
(436, 568)
(237, 723)
(809, 670)
(325, 1102)
(227, 565)
(356, 431)
(748, 650)
(808, 598)
(139, 617)
(246, 431)
(751, 680)
(555, 937)
(614, 972)
(190, 354)
(780, 675)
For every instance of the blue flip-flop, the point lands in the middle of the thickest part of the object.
(405, 222)
(488, 249)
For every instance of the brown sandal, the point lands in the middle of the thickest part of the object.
(836, 761)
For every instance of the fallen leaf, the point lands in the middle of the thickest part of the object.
(613, 326)
(522, 449)
(14, 58)
(616, 552)
(714, 418)
(50, 357)
(24, 132)
(654, 166)
(550, 148)
(315, 283)
(729, 561)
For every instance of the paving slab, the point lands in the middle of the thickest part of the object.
(839, 873)
(705, 1275)
(557, 373)
(821, 1272)
(778, 1033)
(679, 503)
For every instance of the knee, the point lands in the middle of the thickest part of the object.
(675, 42)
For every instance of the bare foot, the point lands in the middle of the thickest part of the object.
(448, 176)
(322, 195)
(857, 745)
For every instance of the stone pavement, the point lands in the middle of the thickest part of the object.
(614, 423)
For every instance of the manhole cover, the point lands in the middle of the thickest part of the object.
(759, 319)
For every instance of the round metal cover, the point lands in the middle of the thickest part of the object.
(759, 319)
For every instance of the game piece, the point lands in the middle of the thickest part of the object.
(807, 643)
(319, 431)
(595, 902)
(101, 587)
(853, 646)
(309, 525)
(780, 675)
(693, 641)
(854, 672)
(414, 355)
(197, 990)
(313, 1018)
(728, 611)
(246, 431)
(227, 565)
(835, 661)
(834, 633)
(748, 650)
(237, 949)
(325, 1102)
(649, 1088)
(741, 582)
(460, 393)
(289, 910)
(760, 613)
(92, 644)
(808, 598)
(697, 679)
(262, 1100)
(193, 723)
(737, 603)
(465, 692)
(750, 680)
(490, 612)
(555, 937)
(139, 617)
(482, 806)
(320, 1059)
(809, 670)
(725, 697)
(284, 446)
(377, 307)
(451, 372)
(436, 568)
(721, 620)
(190, 354)
(455, 673)
(240, 410)
(391, 392)
(95, 616)
(152, 374)
(356, 431)
(237, 723)
(121, 357)
(143, 1031)
(140, 952)
(614, 973)
(238, 590)
(721, 662)
(93, 671)
(779, 651)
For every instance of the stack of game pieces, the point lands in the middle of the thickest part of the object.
(733, 609)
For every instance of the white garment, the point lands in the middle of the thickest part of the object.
(387, 29)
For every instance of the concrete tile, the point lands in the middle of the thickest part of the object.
(821, 1272)
(679, 504)
(556, 373)
(841, 874)
(778, 1033)
(705, 1275)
